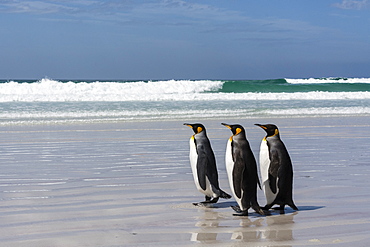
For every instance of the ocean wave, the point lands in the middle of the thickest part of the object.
(47, 90)
(57, 91)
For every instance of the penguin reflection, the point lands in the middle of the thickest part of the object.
(279, 227)
(249, 230)
(207, 225)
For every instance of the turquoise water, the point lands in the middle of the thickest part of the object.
(282, 85)
(49, 101)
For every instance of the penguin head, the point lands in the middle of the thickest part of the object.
(271, 129)
(196, 127)
(236, 129)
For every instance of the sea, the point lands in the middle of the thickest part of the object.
(50, 101)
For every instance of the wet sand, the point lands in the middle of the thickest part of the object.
(130, 184)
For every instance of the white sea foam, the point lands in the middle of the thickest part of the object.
(55, 91)
(46, 117)
(139, 115)
(327, 80)
(326, 111)
(315, 95)
(47, 90)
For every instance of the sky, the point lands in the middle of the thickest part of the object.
(178, 39)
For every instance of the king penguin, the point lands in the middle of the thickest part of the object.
(203, 166)
(276, 169)
(242, 171)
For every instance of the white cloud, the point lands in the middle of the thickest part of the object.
(55, 6)
(104, 7)
(34, 7)
(352, 4)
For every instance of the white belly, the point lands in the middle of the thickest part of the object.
(193, 156)
(264, 168)
(229, 169)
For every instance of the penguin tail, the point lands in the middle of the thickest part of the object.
(257, 208)
(224, 195)
(292, 205)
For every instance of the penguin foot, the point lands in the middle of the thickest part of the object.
(236, 209)
(260, 211)
(206, 203)
(203, 204)
(214, 200)
(239, 211)
(281, 209)
(267, 207)
(243, 213)
(256, 207)
(266, 212)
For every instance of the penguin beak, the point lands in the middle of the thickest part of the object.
(262, 126)
(189, 125)
(228, 126)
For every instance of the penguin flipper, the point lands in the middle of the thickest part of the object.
(238, 170)
(211, 173)
(272, 183)
(273, 170)
(202, 169)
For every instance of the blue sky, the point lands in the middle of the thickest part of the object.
(177, 39)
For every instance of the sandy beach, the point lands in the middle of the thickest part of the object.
(130, 184)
